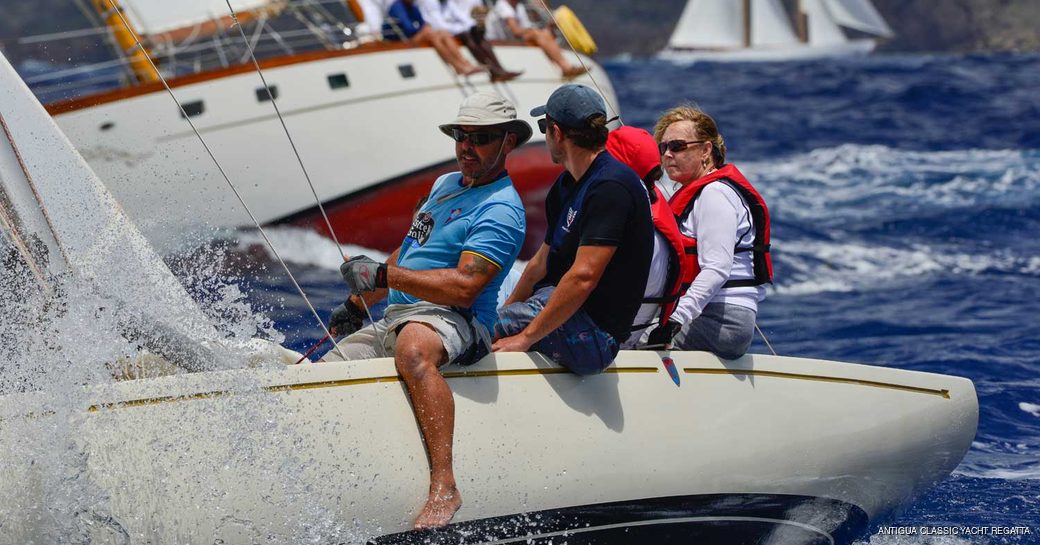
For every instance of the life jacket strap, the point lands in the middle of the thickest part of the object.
(661, 300)
(743, 283)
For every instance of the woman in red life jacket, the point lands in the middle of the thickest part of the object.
(637, 149)
(724, 224)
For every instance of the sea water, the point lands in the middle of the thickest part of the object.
(905, 194)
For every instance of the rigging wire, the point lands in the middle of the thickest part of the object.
(582, 61)
(299, 160)
(242, 201)
(764, 338)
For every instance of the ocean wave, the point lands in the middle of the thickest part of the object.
(301, 246)
(830, 186)
(814, 266)
(1007, 474)
(1031, 408)
(879, 539)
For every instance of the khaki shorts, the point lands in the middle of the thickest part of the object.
(465, 339)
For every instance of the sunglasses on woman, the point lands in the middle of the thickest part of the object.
(675, 146)
(477, 138)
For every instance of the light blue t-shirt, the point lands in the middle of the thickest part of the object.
(488, 221)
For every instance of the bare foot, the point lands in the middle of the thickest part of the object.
(440, 508)
(572, 72)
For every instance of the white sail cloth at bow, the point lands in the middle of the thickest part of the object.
(61, 223)
(159, 16)
(858, 15)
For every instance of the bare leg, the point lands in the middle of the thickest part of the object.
(418, 354)
(545, 40)
(447, 49)
(482, 51)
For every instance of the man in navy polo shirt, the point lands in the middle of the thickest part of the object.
(578, 296)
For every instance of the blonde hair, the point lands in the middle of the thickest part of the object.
(704, 127)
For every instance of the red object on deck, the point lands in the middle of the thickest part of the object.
(378, 217)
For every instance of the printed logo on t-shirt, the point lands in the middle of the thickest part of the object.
(571, 215)
(455, 212)
(421, 228)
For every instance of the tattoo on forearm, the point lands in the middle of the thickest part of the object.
(477, 267)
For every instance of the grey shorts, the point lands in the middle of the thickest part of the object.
(723, 329)
(465, 339)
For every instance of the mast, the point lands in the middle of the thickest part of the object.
(110, 10)
(801, 22)
(747, 23)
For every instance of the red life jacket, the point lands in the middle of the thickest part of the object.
(665, 224)
(681, 205)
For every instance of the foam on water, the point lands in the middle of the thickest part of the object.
(1031, 408)
(813, 266)
(878, 539)
(829, 186)
(303, 247)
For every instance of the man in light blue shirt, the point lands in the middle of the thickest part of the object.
(443, 282)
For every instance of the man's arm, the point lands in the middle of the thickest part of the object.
(454, 287)
(533, 272)
(570, 294)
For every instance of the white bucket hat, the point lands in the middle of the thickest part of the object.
(484, 109)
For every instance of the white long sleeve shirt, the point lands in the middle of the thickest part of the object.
(497, 29)
(719, 220)
(450, 16)
(375, 14)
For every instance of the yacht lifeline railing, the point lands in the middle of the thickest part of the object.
(312, 26)
(238, 195)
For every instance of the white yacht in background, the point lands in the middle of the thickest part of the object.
(363, 112)
(761, 30)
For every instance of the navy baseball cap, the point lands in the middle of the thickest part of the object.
(572, 105)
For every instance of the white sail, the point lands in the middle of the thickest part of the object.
(822, 29)
(770, 24)
(859, 15)
(719, 24)
(158, 16)
(709, 24)
(52, 197)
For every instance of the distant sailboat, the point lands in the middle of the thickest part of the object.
(760, 30)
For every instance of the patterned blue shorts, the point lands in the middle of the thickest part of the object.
(578, 345)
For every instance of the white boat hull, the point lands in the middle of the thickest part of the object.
(379, 130)
(778, 450)
(799, 52)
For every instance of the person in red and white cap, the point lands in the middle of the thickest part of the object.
(637, 148)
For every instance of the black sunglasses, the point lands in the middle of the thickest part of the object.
(675, 146)
(477, 138)
(543, 125)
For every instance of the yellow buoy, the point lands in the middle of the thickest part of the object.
(574, 31)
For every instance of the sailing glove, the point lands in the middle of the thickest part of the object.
(662, 335)
(346, 319)
(362, 274)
